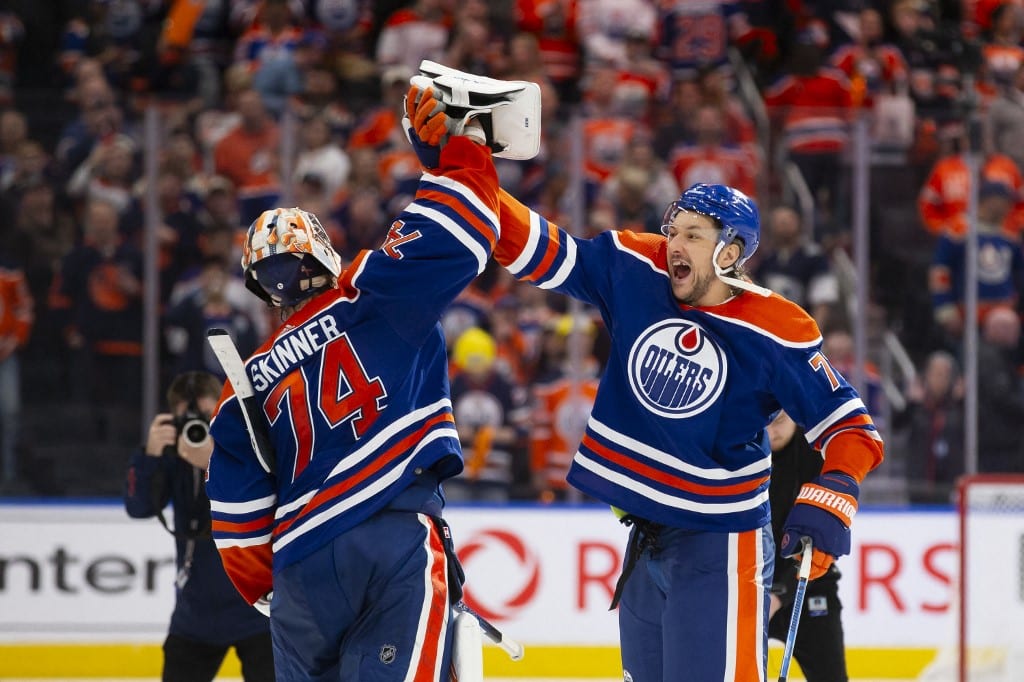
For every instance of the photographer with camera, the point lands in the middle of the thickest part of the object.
(209, 615)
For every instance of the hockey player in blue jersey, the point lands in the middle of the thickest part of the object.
(701, 359)
(345, 540)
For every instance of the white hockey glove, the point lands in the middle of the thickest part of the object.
(508, 111)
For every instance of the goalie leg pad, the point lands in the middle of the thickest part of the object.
(509, 111)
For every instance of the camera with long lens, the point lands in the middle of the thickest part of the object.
(192, 426)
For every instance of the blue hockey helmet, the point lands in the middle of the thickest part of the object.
(735, 212)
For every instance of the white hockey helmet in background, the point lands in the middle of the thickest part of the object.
(287, 257)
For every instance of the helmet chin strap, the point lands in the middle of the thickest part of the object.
(735, 281)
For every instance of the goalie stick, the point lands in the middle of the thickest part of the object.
(231, 362)
(513, 648)
(798, 606)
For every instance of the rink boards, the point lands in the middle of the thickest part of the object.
(84, 590)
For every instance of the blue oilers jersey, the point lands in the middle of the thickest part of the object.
(354, 386)
(1000, 269)
(677, 433)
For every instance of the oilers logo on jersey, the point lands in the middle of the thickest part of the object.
(676, 370)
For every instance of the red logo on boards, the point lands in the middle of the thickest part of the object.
(524, 574)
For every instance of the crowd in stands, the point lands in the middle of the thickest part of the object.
(269, 101)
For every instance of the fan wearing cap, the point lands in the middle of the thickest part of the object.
(701, 360)
(345, 538)
(489, 413)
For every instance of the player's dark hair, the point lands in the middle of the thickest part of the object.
(190, 386)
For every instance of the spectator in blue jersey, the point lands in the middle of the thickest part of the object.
(209, 616)
(98, 296)
(343, 538)
(209, 305)
(1000, 264)
(796, 267)
(701, 359)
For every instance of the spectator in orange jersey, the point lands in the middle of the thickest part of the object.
(608, 127)
(812, 104)
(412, 34)
(16, 319)
(942, 201)
(1001, 52)
(563, 397)
(639, 79)
(380, 129)
(556, 25)
(709, 158)
(248, 156)
(874, 67)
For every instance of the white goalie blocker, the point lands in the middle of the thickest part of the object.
(509, 111)
(467, 649)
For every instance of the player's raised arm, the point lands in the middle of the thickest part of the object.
(445, 236)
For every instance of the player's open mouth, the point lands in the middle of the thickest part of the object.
(680, 271)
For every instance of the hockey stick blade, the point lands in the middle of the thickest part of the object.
(798, 607)
(513, 648)
(231, 362)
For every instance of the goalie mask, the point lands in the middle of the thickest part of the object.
(287, 257)
(737, 216)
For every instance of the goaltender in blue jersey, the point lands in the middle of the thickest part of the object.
(701, 359)
(346, 539)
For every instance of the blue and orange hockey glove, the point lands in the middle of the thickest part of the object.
(426, 124)
(822, 511)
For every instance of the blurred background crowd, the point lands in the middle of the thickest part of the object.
(261, 103)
